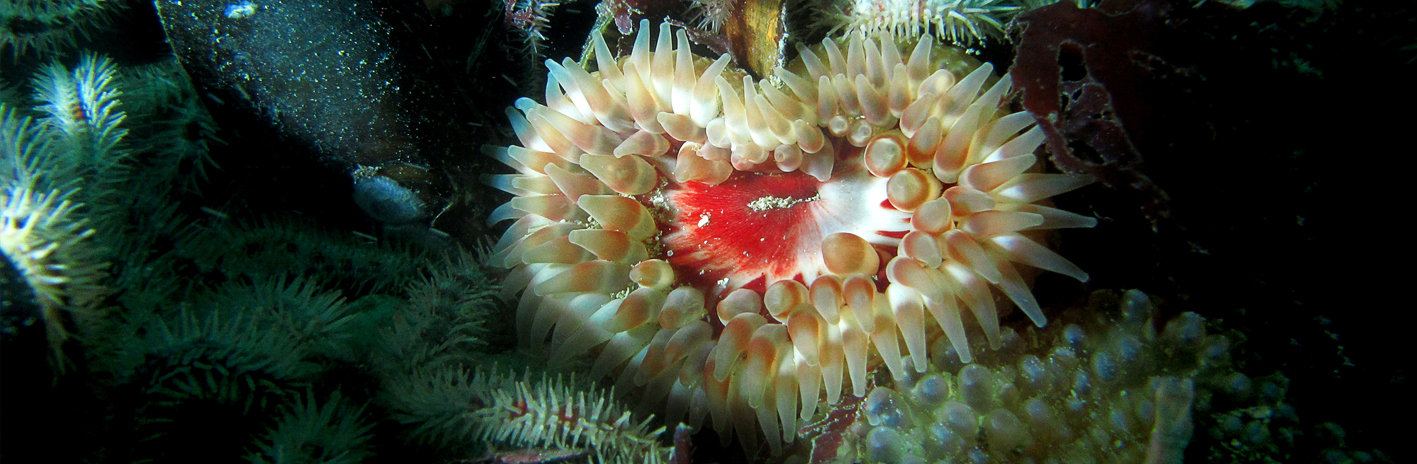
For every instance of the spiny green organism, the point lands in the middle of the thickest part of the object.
(314, 318)
(168, 121)
(50, 250)
(223, 250)
(455, 407)
(311, 433)
(454, 301)
(204, 383)
(440, 318)
(75, 135)
(45, 229)
(42, 27)
(425, 357)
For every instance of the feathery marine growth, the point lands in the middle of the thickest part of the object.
(455, 405)
(43, 162)
(221, 321)
(43, 27)
(963, 22)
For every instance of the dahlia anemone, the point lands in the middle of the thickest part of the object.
(734, 247)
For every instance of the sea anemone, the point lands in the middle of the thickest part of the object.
(733, 247)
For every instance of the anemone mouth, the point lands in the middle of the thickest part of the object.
(730, 250)
(757, 228)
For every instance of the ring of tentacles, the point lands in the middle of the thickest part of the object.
(732, 248)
